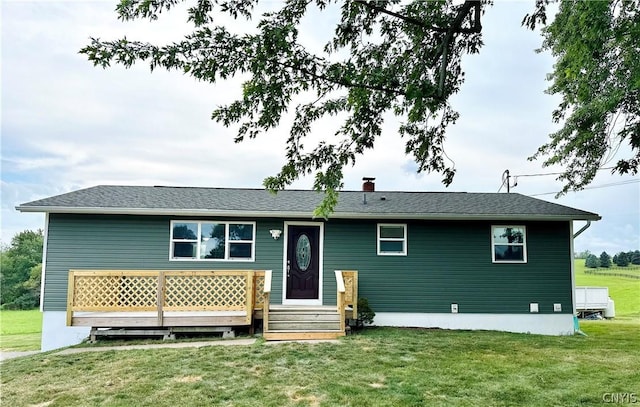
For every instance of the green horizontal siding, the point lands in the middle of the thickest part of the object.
(450, 262)
(447, 262)
(134, 242)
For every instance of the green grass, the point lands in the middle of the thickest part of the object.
(632, 270)
(624, 291)
(20, 330)
(379, 367)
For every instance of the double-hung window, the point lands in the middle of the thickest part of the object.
(212, 240)
(392, 239)
(509, 244)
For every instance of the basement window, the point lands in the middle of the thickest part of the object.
(509, 244)
(392, 239)
(212, 240)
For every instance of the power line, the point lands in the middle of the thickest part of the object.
(614, 184)
(506, 179)
(554, 173)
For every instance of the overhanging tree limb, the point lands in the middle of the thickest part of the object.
(403, 58)
(476, 27)
(378, 76)
(411, 20)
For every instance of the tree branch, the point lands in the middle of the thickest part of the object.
(309, 73)
(476, 27)
(408, 19)
(450, 32)
(419, 23)
(339, 81)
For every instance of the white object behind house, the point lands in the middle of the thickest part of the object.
(595, 299)
(610, 312)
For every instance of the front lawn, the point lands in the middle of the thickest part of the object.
(379, 367)
(20, 330)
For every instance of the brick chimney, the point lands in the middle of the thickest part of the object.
(368, 185)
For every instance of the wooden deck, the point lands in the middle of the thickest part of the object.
(148, 298)
(204, 298)
(116, 319)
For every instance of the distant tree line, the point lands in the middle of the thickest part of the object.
(621, 259)
(20, 271)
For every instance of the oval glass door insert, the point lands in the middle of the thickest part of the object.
(303, 252)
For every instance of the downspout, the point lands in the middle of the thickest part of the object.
(576, 324)
(585, 227)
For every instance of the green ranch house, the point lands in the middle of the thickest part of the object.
(142, 257)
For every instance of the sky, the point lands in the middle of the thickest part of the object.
(68, 125)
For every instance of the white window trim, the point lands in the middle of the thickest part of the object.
(392, 239)
(227, 241)
(523, 244)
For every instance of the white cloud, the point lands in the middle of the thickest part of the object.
(68, 125)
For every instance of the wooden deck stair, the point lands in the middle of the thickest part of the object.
(302, 322)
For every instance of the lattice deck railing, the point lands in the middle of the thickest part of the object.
(258, 289)
(351, 290)
(138, 290)
(347, 294)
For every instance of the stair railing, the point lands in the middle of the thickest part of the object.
(266, 295)
(350, 278)
(341, 293)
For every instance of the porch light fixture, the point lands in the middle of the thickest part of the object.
(275, 233)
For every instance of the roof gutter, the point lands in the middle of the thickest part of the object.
(585, 227)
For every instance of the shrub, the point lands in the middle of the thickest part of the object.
(23, 302)
(582, 255)
(605, 260)
(630, 256)
(622, 259)
(592, 261)
(365, 313)
(19, 264)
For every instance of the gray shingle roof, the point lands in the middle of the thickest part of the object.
(301, 203)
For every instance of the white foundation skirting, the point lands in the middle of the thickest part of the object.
(56, 334)
(544, 324)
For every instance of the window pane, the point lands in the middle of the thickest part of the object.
(212, 241)
(240, 232)
(509, 253)
(185, 231)
(213, 230)
(240, 250)
(212, 248)
(508, 235)
(303, 252)
(184, 250)
(391, 247)
(392, 232)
